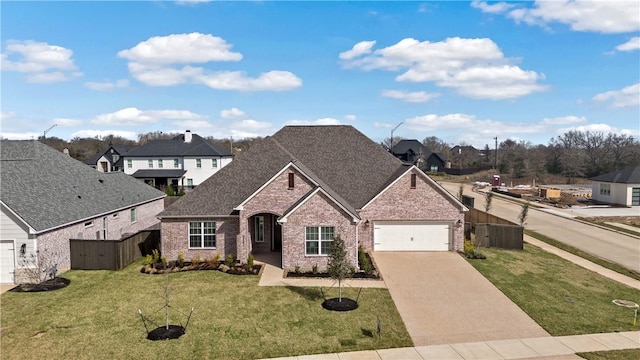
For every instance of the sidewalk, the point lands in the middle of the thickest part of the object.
(559, 347)
(274, 276)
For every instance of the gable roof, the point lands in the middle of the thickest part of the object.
(118, 148)
(198, 146)
(629, 175)
(404, 146)
(48, 189)
(346, 164)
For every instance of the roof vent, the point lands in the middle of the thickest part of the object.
(101, 181)
(187, 136)
(79, 197)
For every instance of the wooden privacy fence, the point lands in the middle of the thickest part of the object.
(500, 236)
(475, 216)
(112, 254)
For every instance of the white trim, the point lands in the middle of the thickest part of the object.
(429, 180)
(266, 183)
(283, 219)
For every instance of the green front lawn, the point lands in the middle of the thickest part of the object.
(564, 298)
(612, 355)
(96, 317)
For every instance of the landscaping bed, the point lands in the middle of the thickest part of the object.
(366, 264)
(173, 267)
(47, 285)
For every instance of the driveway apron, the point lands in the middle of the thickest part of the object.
(442, 299)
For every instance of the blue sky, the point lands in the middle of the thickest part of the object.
(461, 71)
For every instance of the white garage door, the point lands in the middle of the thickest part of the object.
(411, 236)
(7, 261)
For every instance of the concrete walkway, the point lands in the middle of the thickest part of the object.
(559, 347)
(442, 299)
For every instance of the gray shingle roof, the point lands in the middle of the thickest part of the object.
(343, 161)
(405, 145)
(629, 175)
(48, 189)
(177, 147)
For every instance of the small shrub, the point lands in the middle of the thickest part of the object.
(170, 191)
(156, 257)
(229, 260)
(296, 269)
(250, 260)
(468, 247)
(195, 260)
(181, 192)
(163, 261)
(214, 261)
(367, 267)
(180, 260)
(148, 260)
(314, 268)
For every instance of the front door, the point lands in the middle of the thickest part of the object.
(276, 239)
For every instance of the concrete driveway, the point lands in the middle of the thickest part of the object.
(442, 299)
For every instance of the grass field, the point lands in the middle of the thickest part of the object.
(564, 298)
(96, 317)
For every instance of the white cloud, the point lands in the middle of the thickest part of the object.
(564, 120)
(604, 128)
(133, 116)
(631, 45)
(7, 115)
(64, 122)
(625, 97)
(131, 135)
(322, 121)
(166, 61)
(412, 97)
(192, 2)
(607, 17)
(107, 85)
(250, 128)
(233, 113)
(237, 80)
(496, 8)
(41, 62)
(19, 135)
(361, 48)
(475, 68)
(380, 125)
(350, 117)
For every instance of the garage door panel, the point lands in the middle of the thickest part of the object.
(411, 236)
(7, 261)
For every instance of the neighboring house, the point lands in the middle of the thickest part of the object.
(184, 161)
(621, 187)
(465, 156)
(414, 152)
(295, 191)
(110, 159)
(47, 198)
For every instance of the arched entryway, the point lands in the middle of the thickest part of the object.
(266, 237)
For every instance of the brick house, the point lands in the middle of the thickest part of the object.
(293, 192)
(47, 198)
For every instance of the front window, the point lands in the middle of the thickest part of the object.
(160, 165)
(605, 189)
(214, 163)
(133, 215)
(318, 239)
(259, 234)
(129, 163)
(176, 163)
(198, 163)
(150, 164)
(116, 158)
(189, 182)
(202, 234)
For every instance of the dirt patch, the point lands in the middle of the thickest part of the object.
(627, 220)
(166, 333)
(335, 304)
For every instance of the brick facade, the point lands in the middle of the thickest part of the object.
(427, 202)
(55, 244)
(175, 238)
(319, 210)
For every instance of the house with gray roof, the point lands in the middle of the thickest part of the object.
(109, 159)
(184, 161)
(47, 198)
(620, 187)
(414, 152)
(293, 192)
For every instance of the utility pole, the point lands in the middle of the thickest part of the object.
(496, 160)
(392, 130)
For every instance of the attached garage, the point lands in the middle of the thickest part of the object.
(411, 236)
(7, 261)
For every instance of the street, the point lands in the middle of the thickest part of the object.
(616, 247)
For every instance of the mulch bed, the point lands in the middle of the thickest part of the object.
(235, 269)
(47, 285)
(162, 333)
(324, 275)
(345, 305)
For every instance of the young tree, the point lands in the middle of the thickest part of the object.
(488, 200)
(523, 213)
(460, 191)
(339, 266)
